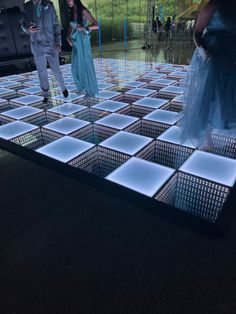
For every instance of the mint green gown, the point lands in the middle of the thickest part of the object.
(82, 66)
(210, 86)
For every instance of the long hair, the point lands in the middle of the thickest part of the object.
(79, 7)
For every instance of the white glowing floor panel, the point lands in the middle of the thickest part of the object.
(211, 167)
(110, 105)
(6, 91)
(21, 112)
(32, 82)
(163, 82)
(127, 143)
(27, 100)
(69, 81)
(2, 100)
(141, 176)
(178, 100)
(138, 173)
(10, 84)
(133, 84)
(67, 109)
(30, 90)
(154, 76)
(116, 121)
(103, 85)
(173, 135)
(15, 129)
(14, 77)
(106, 94)
(72, 97)
(163, 116)
(163, 65)
(70, 88)
(178, 74)
(172, 90)
(65, 149)
(170, 69)
(101, 79)
(66, 125)
(33, 78)
(149, 102)
(142, 92)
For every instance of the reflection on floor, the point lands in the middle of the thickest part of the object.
(128, 134)
(165, 52)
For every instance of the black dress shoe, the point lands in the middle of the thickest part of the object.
(45, 100)
(65, 93)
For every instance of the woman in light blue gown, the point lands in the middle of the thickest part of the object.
(210, 86)
(82, 66)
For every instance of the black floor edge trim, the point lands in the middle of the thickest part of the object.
(179, 217)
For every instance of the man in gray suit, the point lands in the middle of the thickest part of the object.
(39, 20)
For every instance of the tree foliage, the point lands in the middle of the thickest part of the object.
(111, 13)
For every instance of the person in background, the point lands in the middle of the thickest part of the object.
(39, 20)
(188, 25)
(192, 24)
(82, 66)
(181, 26)
(173, 22)
(210, 93)
(159, 24)
(168, 27)
(159, 28)
(154, 26)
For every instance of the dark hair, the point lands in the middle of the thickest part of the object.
(226, 7)
(79, 7)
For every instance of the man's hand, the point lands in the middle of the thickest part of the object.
(58, 47)
(33, 29)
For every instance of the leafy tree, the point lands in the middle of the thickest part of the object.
(111, 13)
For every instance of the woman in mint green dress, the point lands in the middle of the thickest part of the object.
(82, 66)
(210, 86)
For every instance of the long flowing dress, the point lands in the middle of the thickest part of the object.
(210, 85)
(82, 66)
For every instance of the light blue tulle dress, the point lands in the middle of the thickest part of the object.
(210, 86)
(82, 66)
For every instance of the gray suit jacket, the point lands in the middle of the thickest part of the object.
(50, 23)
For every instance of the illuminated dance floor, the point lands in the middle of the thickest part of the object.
(128, 134)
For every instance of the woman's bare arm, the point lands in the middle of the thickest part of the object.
(203, 19)
(91, 19)
(69, 35)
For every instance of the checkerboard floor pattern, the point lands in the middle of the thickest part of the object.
(128, 134)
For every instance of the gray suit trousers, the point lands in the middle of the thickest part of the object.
(41, 55)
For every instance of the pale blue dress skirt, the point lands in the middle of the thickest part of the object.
(82, 65)
(210, 86)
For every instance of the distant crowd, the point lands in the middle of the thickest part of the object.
(165, 29)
